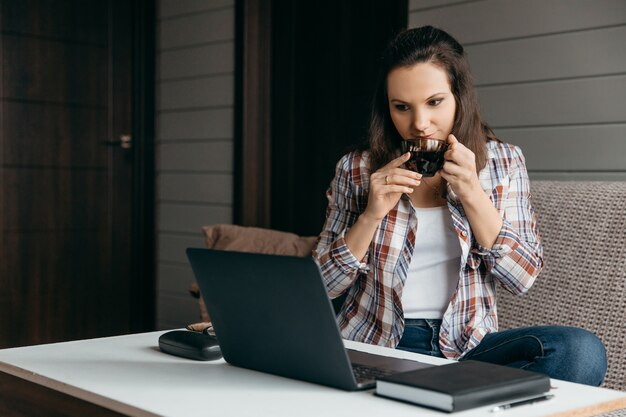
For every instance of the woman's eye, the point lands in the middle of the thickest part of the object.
(435, 102)
(401, 107)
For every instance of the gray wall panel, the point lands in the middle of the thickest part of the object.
(191, 218)
(197, 93)
(186, 308)
(426, 4)
(197, 61)
(200, 188)
(196, 156)
(501, 19)
(194, 140)
(551, 77)
(578, 54)
(175, 279)
(196, 124)
(172, 247)
(597, 100)
(197, 29)
(566, 148)
(171, 8)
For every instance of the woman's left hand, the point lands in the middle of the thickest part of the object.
(459, 169)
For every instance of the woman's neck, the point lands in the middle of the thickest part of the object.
(429, 193)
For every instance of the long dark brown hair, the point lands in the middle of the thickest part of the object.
(420, 45)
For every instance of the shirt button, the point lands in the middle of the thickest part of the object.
(464, 233)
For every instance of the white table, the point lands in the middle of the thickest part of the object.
(130, 375)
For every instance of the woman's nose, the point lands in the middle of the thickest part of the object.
(421, 121)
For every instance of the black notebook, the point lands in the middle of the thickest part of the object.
(462, 385)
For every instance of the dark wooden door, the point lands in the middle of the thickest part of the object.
(67, 209)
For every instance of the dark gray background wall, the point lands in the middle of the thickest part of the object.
(551, 77)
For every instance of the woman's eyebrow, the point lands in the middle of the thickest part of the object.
(428, 98)
(437, 94)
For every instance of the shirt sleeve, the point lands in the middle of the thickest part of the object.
(516, 258)
(339, 267)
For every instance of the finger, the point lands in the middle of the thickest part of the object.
(402, 172)
(389, 189)
(452, 139)
(395, 163)
(394, 175)
(402, 179)
(455, 152)
(454, 173)
(450, 154)
(452, 169)
(446, 176)
(461, 156)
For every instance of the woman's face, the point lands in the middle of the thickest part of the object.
(421, 102)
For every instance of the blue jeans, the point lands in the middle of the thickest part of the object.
(567, 353)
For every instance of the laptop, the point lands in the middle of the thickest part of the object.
(272, 314)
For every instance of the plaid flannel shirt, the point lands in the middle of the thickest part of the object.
(372, 311)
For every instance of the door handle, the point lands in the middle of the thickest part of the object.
(124, 142)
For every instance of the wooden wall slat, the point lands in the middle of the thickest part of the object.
(176, 278)
(186, 307)
(415, 5)
(566, 148)
(579, 54)
(191, 218)
(197, 29)
(595, 100)
(200, 188)
(197, 61)
(173, 8)
(210, 91)
(490, 20)
(196, 124)
(172, 249)
(196, 156)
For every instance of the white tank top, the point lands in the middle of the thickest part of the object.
(435, 265)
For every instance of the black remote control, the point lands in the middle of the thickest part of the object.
(190, 345)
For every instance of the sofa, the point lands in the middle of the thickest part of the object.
(583, 229)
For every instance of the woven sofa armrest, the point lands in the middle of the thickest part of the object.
(583, 284)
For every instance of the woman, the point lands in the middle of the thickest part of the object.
(418, 259)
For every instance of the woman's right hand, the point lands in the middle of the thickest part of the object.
(387, 186)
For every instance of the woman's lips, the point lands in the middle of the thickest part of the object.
(426, 136)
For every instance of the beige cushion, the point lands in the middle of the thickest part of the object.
(257, 240)
(251, 239)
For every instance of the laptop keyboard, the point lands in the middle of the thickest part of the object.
(364, 373)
